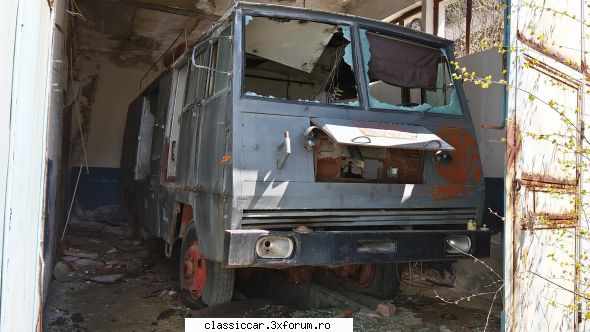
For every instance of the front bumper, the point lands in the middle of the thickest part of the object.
(350, 247)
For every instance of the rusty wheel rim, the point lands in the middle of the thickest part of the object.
(366, 275)
(195, 271)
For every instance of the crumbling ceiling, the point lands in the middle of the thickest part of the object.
(133, 31)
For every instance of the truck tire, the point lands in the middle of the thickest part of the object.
(384, 283)
(202, 282)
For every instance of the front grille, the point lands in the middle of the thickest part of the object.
(377, 218)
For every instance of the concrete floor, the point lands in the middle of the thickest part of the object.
(146, 298)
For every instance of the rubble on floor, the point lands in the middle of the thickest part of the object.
(106, 281)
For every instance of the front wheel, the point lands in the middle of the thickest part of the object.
(377, 280)
(202, 282)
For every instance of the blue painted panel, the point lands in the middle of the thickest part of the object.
(495, 202)
(98, 196)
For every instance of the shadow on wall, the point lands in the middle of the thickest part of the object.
(98, 197)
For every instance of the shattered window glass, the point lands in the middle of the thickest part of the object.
(407, 76)
(299, 60)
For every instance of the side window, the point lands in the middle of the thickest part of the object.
(221, 57)
(179, 92)
(197, 77)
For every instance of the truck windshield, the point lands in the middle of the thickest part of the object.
(299, 60)
(407, 76)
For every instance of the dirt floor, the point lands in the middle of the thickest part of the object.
(104, 281)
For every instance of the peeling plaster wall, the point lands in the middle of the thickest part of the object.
(106, 89)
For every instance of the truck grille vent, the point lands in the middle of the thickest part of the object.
(287, 219)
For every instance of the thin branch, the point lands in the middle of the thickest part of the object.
(463, 298)
(560, 286)
(491, 307)
(477, 260)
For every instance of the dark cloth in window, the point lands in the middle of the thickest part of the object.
(402, 64)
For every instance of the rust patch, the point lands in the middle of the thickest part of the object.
(543, 49)
(513, 146)
(361, 274)
(186, 217)
(225, 159)
(549, 221)
(513, 149)
(327, 169)
(465, 163)
(447, 192)
(187, 214)
(545, 182)
(297, 274)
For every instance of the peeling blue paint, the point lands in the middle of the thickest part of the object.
(99, 195)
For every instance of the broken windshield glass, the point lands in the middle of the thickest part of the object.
(299, 60)
(406, 76)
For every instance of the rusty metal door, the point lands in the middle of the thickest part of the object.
(542, 184)
(542, 167)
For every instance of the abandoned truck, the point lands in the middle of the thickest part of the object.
(287, 137)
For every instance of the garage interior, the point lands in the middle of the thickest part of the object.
(96, 276)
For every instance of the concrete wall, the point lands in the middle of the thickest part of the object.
(107, 86)
(486, 109)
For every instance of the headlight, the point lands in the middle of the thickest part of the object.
(457, 244)
(274, 247)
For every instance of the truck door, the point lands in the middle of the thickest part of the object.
(157, 202)
(178, 89)
(187, 152)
